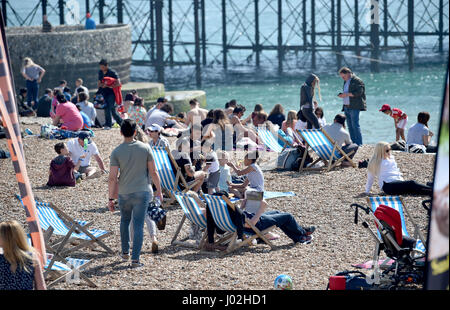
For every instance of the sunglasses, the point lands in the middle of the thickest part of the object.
(388, 150)
(153, 131)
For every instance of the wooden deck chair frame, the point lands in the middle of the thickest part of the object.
(233, 245)
(330, 163)
(184, 242)
(58, 257)
(178, 177)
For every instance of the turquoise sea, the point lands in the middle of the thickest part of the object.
(412, 92)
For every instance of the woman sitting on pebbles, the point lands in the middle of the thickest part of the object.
(383, 166)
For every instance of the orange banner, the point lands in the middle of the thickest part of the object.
(10, 120)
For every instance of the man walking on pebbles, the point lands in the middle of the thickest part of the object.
(135, 162)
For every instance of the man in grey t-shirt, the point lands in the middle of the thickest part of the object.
(135, 162)
(337, 132)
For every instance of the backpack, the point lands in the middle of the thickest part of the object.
(291, 158)
(287, 158)
(348, 280)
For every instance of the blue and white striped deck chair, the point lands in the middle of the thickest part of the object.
(270, 140)
(191, 207)
(169, 181)
(327, 150)
(218, 206)
(51, 218)
(69, 266)
(396, 203)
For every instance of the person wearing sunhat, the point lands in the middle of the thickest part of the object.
(154, 133)
(400, 120)
(84, 148)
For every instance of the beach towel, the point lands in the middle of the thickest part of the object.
(271, 195)
(109, 81)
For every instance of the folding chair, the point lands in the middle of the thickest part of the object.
(191, 207)
(169, 181)
(271, 141)
(69, 266)
(218, 205)
(52, 223)
(397, 203)
(327, 150)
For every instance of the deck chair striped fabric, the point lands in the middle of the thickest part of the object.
(169, 181)
(270, 140)
(326, 149)
(49, 219)
(218, 205)
(192, 211)
(396, 203)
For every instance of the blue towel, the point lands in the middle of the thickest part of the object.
(270, 195)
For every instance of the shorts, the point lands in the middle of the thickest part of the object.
(402, 123)
(82, 169)
(213, 179)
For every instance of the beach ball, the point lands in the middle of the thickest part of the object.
(283, 282)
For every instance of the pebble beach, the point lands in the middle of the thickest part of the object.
(322, 199)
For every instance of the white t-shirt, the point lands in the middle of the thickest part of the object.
(389, 172)
(76, 150)
(416, 133)
(214, 167)
(158, 117)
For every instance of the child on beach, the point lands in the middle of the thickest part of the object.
(400, 120)
(63, 172)
(320, 116)
(20, 267)
(225, 175)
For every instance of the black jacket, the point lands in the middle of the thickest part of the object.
(358, 89)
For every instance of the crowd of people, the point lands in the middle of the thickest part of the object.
(202, 152)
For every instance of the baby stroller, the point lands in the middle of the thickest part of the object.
(392, 237)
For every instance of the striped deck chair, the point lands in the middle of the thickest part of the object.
(51, 223)
(327, 150)
(71, 268)
(169, 181)
(271, 141)
(191, 207)
(218, 206)
(397, 203)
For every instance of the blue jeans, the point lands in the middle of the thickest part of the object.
(354, 129)
(283, 220)
(32, 92)
(133, 208)
(110, 110)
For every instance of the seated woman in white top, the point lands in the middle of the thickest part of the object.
(383, 166)
(420, 135)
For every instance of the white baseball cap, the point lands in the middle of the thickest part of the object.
(154, 127)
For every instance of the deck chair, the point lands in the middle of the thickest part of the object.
(69, 268)
(169, 181)
(271, 141)
(327, 150)
(397, 203)
(218, 206)
(51, 222)
(191, 208)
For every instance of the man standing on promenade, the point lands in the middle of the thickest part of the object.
(108, 93)
(354, 97)
(135, 162)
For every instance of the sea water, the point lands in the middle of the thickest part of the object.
(412, 92)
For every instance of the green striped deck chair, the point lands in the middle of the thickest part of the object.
(218, 205)
(326, 149)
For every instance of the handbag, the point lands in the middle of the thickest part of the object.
(156, 213)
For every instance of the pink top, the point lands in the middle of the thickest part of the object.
(70, 116)
(284, 126)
